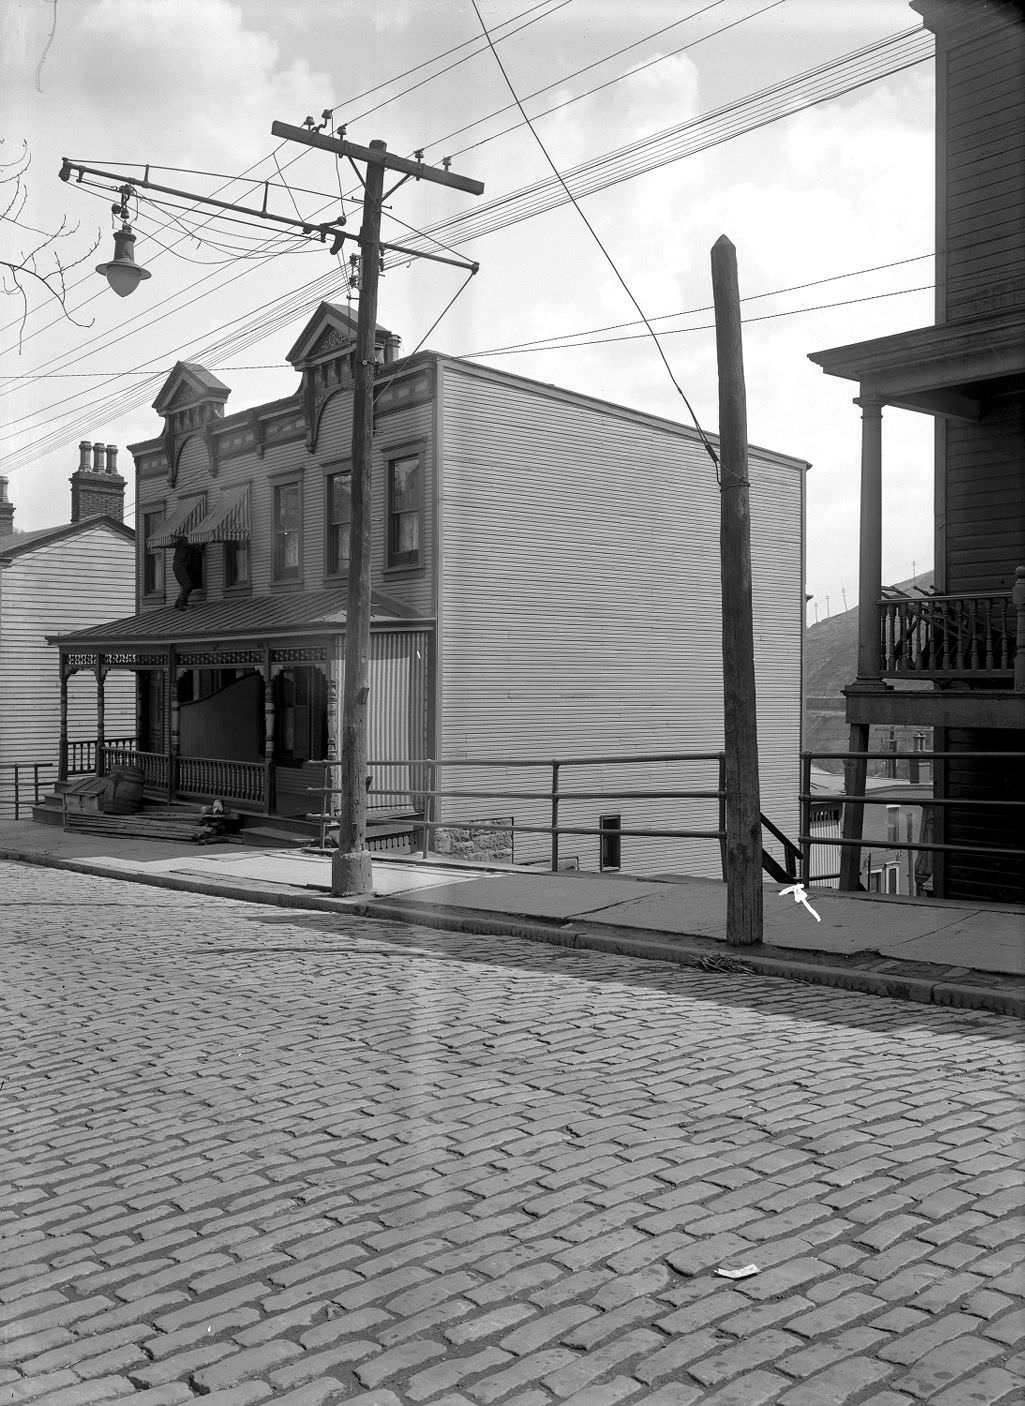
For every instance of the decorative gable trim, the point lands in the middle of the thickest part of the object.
(190, 400)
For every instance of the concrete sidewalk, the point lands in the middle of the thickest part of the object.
(945, 953)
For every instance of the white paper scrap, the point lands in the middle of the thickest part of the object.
(744, 1272)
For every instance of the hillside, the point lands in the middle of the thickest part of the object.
(830, 663)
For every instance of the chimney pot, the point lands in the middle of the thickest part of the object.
(111, 458)
(85, 450)
(98, 458)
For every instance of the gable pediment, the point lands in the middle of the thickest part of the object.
(330, 332)
(190, 384)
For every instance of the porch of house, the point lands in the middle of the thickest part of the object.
(253, 720)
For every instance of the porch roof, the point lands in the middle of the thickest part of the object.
(947, 369)
(245, 618)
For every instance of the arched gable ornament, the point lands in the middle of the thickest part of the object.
(320, 382)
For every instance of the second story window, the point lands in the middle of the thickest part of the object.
(152, 559)
(405, 510)
(236, 564)
(288, 545)
(339, 517)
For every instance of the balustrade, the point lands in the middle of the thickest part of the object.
(939, 636)
(232, 781)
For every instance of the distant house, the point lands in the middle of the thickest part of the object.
(53, 580)
(896, 814)
(545, 584)
(955, 651)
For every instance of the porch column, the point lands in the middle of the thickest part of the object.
(855, 774)
(269, 798)
(101, 679)
(62, 756)
(870, 560)
(174, 738)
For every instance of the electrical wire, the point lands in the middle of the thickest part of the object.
(231, 180)
(600, 87)
(603, 171)
(608, 257)
(703, 326)
(608, 169)
(361, 117)
(568, 339)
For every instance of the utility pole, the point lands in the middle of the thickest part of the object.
(743, 802)
(351, 871)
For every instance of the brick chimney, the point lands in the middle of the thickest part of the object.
(6, 510)
(96, 485)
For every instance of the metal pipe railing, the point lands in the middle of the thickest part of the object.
(807, 798)
(428, 796)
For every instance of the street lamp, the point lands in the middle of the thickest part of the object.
(122, 272)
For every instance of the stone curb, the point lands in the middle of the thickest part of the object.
(708, 954)
(688, 951)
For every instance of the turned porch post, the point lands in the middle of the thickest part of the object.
(174, 724)
(1018, 601)
(870, 558)
(269, 798)
(62, 756)
(101, 734)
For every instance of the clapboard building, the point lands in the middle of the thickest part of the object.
(54, 579)
(956, 649)
(545, 584)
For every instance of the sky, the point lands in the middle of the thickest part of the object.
(838, 196)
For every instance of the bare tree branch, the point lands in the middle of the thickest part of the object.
(28, 265)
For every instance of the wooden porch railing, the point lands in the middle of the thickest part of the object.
(192, 776)
(964, 636)
(207, 776)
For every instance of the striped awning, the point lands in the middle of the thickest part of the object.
(229, 521)
(181, 523)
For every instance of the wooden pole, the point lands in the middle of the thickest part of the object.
(743, 801)
(351, 869)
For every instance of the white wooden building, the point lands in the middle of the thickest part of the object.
(546, 585)
(53, 580)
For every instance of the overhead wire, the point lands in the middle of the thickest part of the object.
(541, 343)
(514, 206)
(562, 342)
(704, 326)
(608, 169)
(608, 257)
(600, 87)
(227, 182)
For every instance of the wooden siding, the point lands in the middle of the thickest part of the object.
(995, 879)
(579, 600)
(410, 427)
(81, 580)
(985, 499)
(399, 669)
(283, 460)
(982, 173)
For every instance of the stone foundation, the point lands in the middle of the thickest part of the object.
(468, 842)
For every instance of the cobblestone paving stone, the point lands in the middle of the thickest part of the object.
(253, 1155)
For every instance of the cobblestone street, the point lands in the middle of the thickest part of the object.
(252, 1154)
